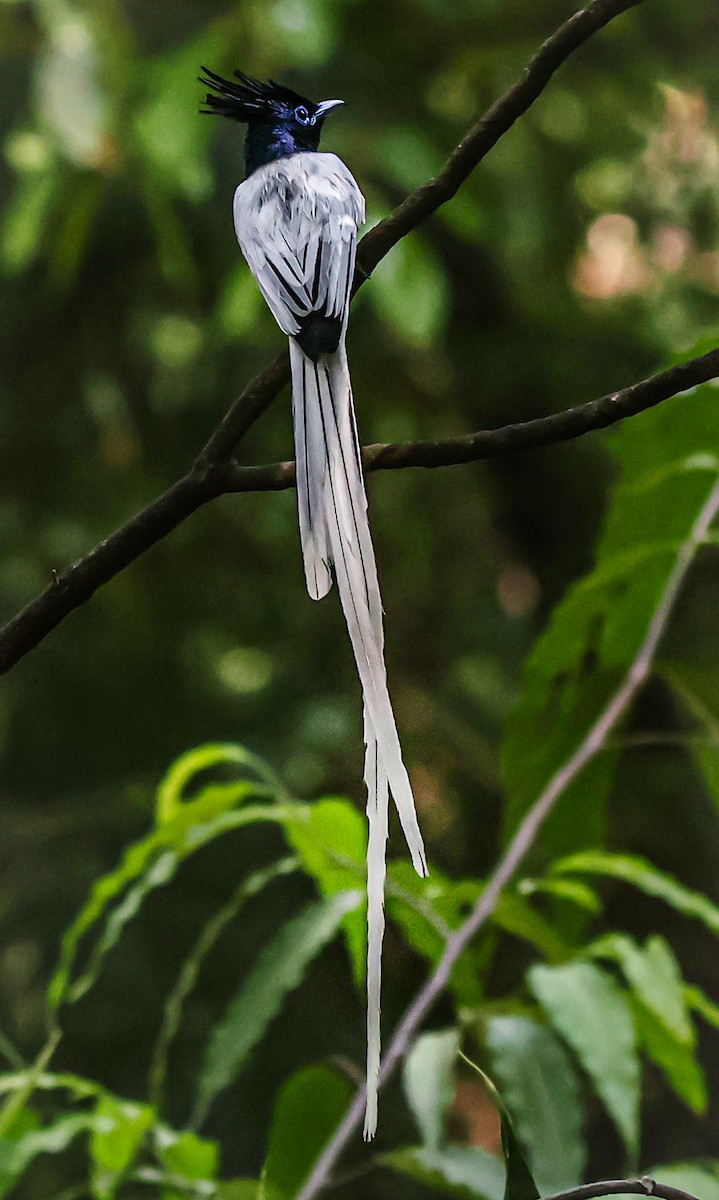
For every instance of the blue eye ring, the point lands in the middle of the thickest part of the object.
(302, 116)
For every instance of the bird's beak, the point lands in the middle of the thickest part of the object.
(324, 106)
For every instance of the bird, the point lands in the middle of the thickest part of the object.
(296, 216)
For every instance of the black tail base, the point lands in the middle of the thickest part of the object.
(319, 335)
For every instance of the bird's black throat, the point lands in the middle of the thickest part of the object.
(269, 140)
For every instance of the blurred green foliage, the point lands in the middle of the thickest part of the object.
(583, 254)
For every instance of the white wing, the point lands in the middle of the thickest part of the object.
(296, 220)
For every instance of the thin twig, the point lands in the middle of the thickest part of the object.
(213, 472)
(646, 1186)
(521, 843)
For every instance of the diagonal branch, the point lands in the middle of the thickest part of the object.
(522, 842)
(425, 200)
(205, 481)
(213, 472)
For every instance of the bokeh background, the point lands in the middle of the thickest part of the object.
(581, 256)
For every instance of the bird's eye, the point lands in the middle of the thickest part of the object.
(302, 115)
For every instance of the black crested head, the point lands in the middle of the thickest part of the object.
(279, 121)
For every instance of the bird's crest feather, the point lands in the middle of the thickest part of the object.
(248, 98)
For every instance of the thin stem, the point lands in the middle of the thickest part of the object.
(13, 1056)
(18, 1099)
(520, 845)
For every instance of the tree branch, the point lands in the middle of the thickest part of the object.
(593, 742)
(524, 435)
(483, 136)
(207, 480)
(213, 471)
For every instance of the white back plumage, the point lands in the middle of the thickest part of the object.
(296, 220)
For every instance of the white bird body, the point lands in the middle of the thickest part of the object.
(296, 219)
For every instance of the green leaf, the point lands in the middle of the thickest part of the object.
(308, 1110)
(171, 791)
(519, 1183)
(17, 1156)
(116, 1137)
(515, 915)
(172, 1015)
(427, 910)
(570, 890)
(461, 1171)
(661, 1011)
(591, 1013)
(541, 1090)
(595, 633)
(701, 1004)
(140, 858)
(186, 1154)
(184, 827)
(238, 1189)
(641, 874)
(331, 840)
(279, 968)
(429, 1082)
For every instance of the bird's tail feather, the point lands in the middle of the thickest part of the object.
(334, 527)
(311, 466)
(377, 817)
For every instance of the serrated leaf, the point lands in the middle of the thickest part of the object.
(678, 1061)
(331, 840)
(308, 1109)
(279, 969)
(461, 1171)
(429, 1082)
(661, 1012)
(641, 874)
(592, 1015)
(541, 1090)
(116, 1137)
(17, 1156)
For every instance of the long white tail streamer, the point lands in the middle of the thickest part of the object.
(334, 529)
